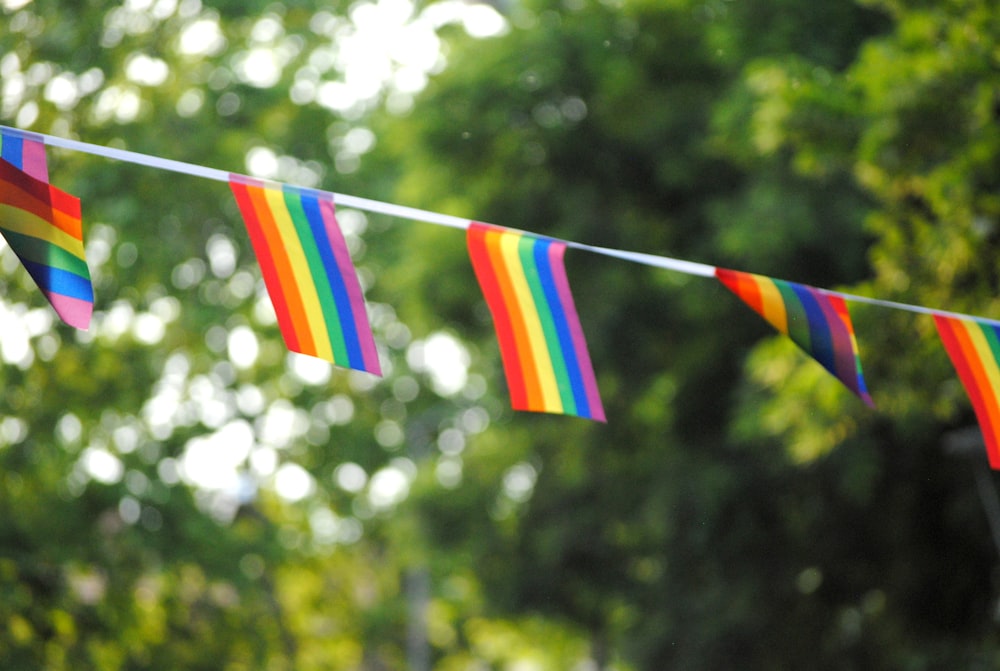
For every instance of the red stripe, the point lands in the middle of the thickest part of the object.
(486, 274)
(43, 200)
(507, 266)
(842, 313)
(744, 285)
(35, 188)
(64, 202)
(267, 265)
(844, 357)
(990, 420)
(288, 286)
(964, 367)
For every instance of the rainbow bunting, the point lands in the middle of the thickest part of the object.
(974, 349)
(42, 225)
(26, 154)
(544, 353)
(816, 321)
(308, 272)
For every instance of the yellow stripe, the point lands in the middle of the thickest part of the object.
(300, 269)
(533, 325)
(19, 221)
(985, 354)
(774, 304)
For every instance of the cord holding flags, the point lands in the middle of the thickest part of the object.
(314, 287)
(43, 226)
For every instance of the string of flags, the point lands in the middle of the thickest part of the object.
(313, 286)
(974, 348)
(815, 321)
(308, 273)
(43, 226)
(544, 353)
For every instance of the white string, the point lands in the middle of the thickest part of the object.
(357, 202)
(123, 155)
(402, 211)
(906, 306)
(681, 266)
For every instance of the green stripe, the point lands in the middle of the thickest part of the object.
(318, 273)
(526, 252)
(798, 321)
(45, 253)
(991, 338)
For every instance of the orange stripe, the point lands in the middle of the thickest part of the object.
(486, 273)
(532, 386)
(67, 223)
(749, 291)
(975, 366)
(284, 270)
(840, 307)
(988, 369)
(16, 196)
(947, 329)
(66, 211)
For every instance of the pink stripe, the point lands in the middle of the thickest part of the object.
(74, 311)
(33, 160)
(556, 253)
(845, 359)
(346, 268)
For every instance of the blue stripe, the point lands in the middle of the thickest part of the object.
(543, 264)
(12, 151)
(819, 330)
(348, 323)
(59, 281)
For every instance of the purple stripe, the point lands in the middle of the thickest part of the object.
(565, 358)
(350, 278)
(73, 311)
(556, 252)
(845, 359)
(33, 158)
(26, 155)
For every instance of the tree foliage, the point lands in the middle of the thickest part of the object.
(180, 492)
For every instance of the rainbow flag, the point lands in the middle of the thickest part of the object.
(544, 353)
(42, 225)
(974, 349)
(308, 272)
(24, 153)
(816, 321)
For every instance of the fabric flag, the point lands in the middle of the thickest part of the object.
(25, 154)
(974, 349)
(544, 353)
(42, 225)
(816, 321)
(308, 272)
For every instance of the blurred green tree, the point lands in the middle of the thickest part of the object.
(179, 492)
